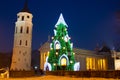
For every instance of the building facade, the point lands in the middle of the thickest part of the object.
(89, 60)
(116, 56)
(44, 52)
(21, 58)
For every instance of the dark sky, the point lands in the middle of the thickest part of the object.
(89, 21)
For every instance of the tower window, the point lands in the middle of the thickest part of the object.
(27, 31)
(26, 43)
(21, 29)
(22, 18)
(18, 16)
(20, 42)
(28, 16)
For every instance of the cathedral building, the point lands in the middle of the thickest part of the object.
(21, 58)
(89, 60)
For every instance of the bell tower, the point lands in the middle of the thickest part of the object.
(21, 58)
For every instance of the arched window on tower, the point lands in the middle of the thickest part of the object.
(26, 43)
(28, 16)
(18, 16)
(20, 42)
(21, 29)
(27, 31)
(22, 18)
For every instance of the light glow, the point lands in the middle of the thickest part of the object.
(63, 47)
(117, 64)
(77, 66)
(73, 53)
(47, 66)
(63, 62)
(71, 62)
(56, 53)
(52, 37)
(55, 32)
(71, 45)
(95, 64)
(57, 45)
(64, 56)
(54, 64)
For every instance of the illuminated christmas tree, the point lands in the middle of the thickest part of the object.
(61, 56)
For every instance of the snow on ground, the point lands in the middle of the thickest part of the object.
(56, 78)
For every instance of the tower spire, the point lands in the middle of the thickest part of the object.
(25, 8)
(61, 20)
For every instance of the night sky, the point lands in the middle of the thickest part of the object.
(89, 21)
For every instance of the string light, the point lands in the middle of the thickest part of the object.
(71, 61)
(63, 47)
(73, 53)
(65, 29)
(52, 37)
(69, 37)
(51, 48)
(54, 64)
(56, 53)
